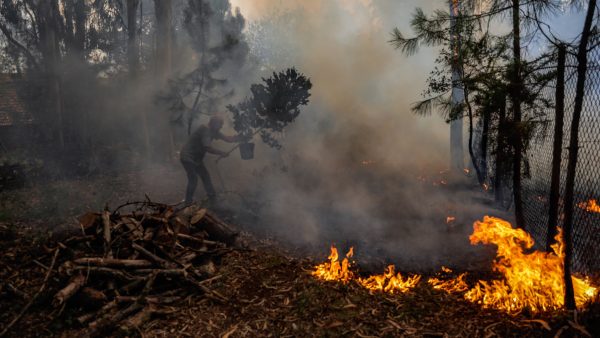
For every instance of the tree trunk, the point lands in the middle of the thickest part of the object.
(573, 152)
(133, 59)
(471, 153)
(500, 155)
(75, 19)
(484, 143)
(557, 148)
(51, 57)
(457, 96)
(516, 88)
(164, 13)
(133, 51)
(80, 30)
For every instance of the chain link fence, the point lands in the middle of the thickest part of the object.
(538, 168)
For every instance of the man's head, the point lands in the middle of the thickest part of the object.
(215, 123)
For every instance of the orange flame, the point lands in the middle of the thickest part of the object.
(531, 280)
(389, 281)
(386, 282)
(457, 284)
(450, 219)
(590, 206)
(333, 270)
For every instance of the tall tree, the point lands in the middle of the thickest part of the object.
(582, 66)
(516, 88)
(164, 34)
(48, 13)
(476, 45)
(133, 47)
(215, 33)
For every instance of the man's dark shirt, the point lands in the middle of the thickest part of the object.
(195, 148)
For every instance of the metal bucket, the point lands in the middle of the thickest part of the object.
(247, 151)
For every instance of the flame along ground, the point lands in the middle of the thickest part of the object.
(531, 279)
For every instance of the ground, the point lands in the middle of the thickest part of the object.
(272, 293)
(269, 286)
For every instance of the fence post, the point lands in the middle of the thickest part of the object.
(557, 147)
(582, 59)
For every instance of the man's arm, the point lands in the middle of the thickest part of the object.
(231, 139)
(214, 151)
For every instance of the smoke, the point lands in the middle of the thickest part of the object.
(348, 171)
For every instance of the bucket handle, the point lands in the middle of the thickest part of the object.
(238, 145)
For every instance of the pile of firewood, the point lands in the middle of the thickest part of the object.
(127, 266)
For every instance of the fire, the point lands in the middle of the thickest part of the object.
(531, 280)
(450, 219)
(591, 205)
(386, 282)
(457, 284)
(333, 270)
(485, 187)
(389, 281)
(467, 171)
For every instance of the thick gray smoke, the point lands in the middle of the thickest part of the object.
(353, 165)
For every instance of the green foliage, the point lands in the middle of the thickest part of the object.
(273, 105)
(481, 64)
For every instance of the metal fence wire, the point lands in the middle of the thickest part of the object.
(538, 164)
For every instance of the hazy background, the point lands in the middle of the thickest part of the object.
(357, 167)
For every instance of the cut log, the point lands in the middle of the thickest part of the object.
(207, 269)
(197, 240)
(148, 234)
(106, 308)
(92, 296)
(135, 322)
(163, 272)
(161, 262)
(101, 271)
(198, 216)
(110, 320)
(67, 292)
(218, 230)
(188, 258)
(128, 288)
(114, 263)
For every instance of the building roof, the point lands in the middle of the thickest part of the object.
(13, 110)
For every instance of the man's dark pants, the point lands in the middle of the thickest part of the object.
(194, 170)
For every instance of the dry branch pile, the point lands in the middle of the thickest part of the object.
(127, 266)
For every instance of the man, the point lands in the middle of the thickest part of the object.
(192, 155)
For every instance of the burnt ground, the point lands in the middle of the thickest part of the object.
(271, 293)
(269, 289)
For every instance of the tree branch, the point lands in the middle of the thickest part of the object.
(28, 54)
